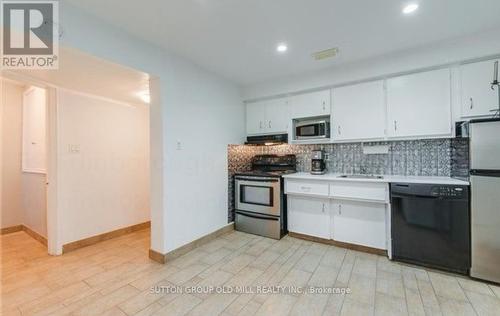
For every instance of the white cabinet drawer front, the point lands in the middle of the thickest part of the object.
(359, 191)
(306, 187)
(309, 216)
(360, 224)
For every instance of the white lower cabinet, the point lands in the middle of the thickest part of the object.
(309, 216)
(353, 212)
(360, 223)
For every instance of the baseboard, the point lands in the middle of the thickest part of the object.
(157, 256)
(35, 235)
(11, 229)
(102, 237)
(27, 230)
(339, 244)
(163, 258)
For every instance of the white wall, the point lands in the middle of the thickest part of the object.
(23, 194)
(471, 47)
(12, 127)
(202, 110)
(34, 202)
(103, 165)
(206, 118)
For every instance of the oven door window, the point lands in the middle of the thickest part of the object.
(307, 130)
(258, 195)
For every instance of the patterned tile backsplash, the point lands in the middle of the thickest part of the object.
(436, 157)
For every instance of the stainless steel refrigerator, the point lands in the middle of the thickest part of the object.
(485, 198)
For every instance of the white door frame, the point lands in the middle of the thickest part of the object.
(54, 243)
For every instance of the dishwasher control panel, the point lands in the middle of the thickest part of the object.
(448, 191)
(440, 191)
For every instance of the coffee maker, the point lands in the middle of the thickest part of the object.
(318, 164)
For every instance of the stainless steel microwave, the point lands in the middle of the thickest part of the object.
(312, 128)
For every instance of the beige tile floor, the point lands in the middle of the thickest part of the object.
(115, 278)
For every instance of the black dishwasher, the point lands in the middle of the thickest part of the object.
(431, 225)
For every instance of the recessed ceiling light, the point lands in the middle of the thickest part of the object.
(281, 48)
(410, 8)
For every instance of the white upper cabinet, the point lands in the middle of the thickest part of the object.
(267, 117)
(419, 105)
(359, 112)
(310, 104)
(277, 116)
(477, 97)
(34, 128)
(256, 115)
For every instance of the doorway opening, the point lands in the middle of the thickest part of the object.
(23, 169)
(97, 151)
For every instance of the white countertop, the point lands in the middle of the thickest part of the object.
(386, 179)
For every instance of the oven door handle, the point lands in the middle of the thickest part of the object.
(257, 180)
(257, 216)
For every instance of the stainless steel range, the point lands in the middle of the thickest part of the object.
(260, 202)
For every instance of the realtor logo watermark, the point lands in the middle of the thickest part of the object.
(30, 34)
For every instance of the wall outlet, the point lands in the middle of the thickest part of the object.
(179, 145)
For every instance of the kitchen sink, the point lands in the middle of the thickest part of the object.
(361, 176)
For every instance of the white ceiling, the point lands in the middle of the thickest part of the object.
(85, 73)
(237, 38)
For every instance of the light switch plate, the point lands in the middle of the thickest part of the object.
(73, 149)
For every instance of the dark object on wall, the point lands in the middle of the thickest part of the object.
(462, 129)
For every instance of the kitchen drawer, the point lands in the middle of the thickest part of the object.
(315, 188)
(360, 191)
(258, 224)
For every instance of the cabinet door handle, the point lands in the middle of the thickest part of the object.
(269, 124)
(307, 189)
(471, 103)
(395, 125)
(260, 125)
(323, 207)
(324, 105)
(340, 209)
(339, 130)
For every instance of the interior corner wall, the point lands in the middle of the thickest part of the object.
(35, 202)
(200, 110)
(103, 165)
(23, 194)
